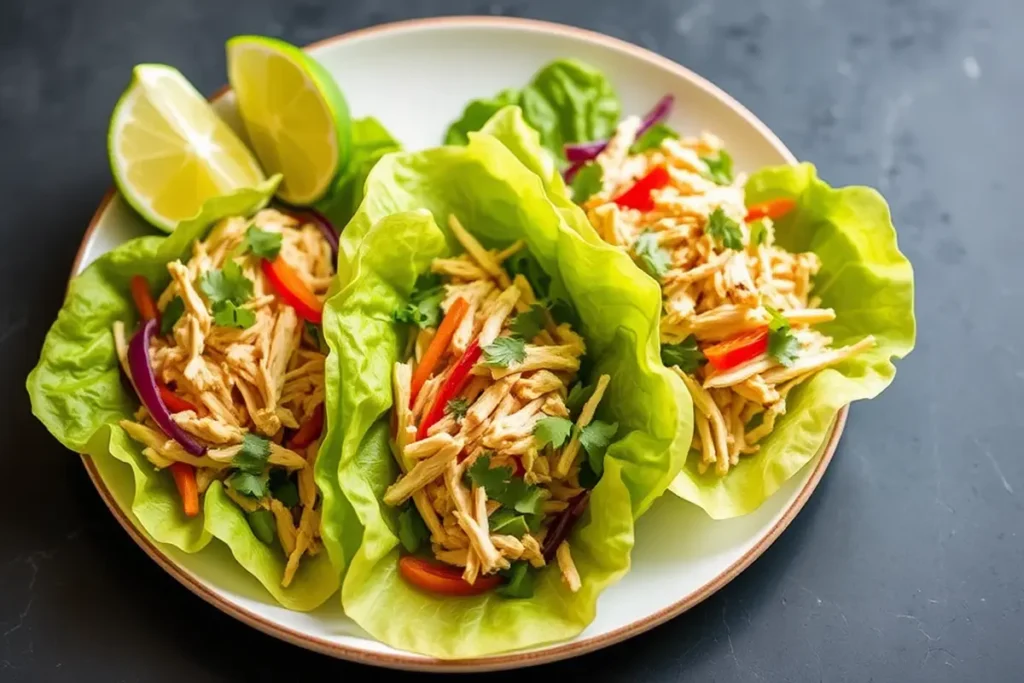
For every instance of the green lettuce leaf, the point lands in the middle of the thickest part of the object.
(389, 242)
(566, 101)
(370, 141)
(869, 283)
(77, 392)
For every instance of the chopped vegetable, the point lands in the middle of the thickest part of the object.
(174, 403)
(249, 484)
(292, 290)
(439, 578)
(226, 284)
(424, 307)
(502, 486)
(452, 387)
(143, 299)
(253, 455)
(686, 355)
(263, 243)
(227, 314)
(509, 523)
(185, 480)
(783, 345)
(171, 315)
(309, 431)
(262, 524)
(595, 439)
(149, 392)
(639, 195)
(773, 208)
(438, 345)
(587, 181)
(724, 229)
(719, 167)
(739, 349)
(322, 223)
(758, 232)
(519, 581)
(652, 138)
(584, 151)
(504, 352)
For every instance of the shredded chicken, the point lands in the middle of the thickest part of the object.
(460, 469)
(246, 377)
(722, 278)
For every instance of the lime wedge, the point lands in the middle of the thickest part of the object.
(170, 152)
(294, 113)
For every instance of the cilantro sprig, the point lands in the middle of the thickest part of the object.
(652, 138)
(263, 243)
(686, 355)
(783, 345)
(724, 230)
(511, 492)
(504, 352)
(424, 307)
(719, 168)
(587, 182)
(651, 257)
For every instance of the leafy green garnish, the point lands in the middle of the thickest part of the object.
(783, 345)
(587, 182)
(253, 455)
(719, 167)
(262, 524)
(652, 258)
(248, 484)
(595, 439)
(758, 232)
(424, 307)
(172, 313)
(504, 352)
(509, 523)
(552, 430)
(457, 408)
(283, 488)
(652, 138)
(686, 355)
(528, 324)
(523, 263)
(724, 229)
(578, 396)
(512, 492)
(520, 581)
(227, 314)
(412, 532)
(263, 243)
(226, 284)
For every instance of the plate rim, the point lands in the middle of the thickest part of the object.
(552, 652)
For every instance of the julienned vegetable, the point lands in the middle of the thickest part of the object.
(442, 579)
(293, 290)
(149, 392)
(773, 208)
(638, 195)
(323, 224)
(455, 382)
(438, 345)
(580, 152)
(737, 350)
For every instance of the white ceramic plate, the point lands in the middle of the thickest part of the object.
(416, 77)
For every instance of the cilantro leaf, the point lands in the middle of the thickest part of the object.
(724, 229)
(226, 284)
(412, 532)
(528, 324)
(262, 524)
(651, 257)
(227, 314)
(578, 396)
(172, 313)
(652, 138)
(686, 355)
(587, 182)
(457, 408)
(263, 243)
(504, 351)
(523, 263)
(253, 455)
(520, 582)
(512, 492)
(719, 168)
(248, 484)
(552, 430)
(754, 422)
(595, 439)
(283, 488)
(783, 345)
(758, 232)
(424, 307)
(509, 523)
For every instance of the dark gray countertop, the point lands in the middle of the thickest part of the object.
(906, 563)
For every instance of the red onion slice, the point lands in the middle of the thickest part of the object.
(581, 152)
(563, 524)
(146, 387)
(308, 215)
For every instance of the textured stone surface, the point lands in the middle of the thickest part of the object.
(906, 563)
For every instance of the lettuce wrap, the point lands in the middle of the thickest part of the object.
(78, 392)
(387, 246)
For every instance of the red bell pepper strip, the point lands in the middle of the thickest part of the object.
(309, 431)
(143, 299)
(174, 403)
(185, 480)
(731, 352)
(445, 332)
(639, 195)
(773, 208)
(457, 380)
(439, 578)
(292, 290)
